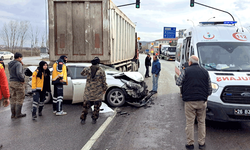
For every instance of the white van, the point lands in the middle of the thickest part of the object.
(224, 50)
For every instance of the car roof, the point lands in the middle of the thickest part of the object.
(78, 64)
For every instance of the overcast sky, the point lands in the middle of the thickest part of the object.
(150, 18)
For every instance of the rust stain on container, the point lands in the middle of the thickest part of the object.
(97, 41)
(62, 40)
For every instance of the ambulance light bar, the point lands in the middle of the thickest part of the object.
(219, 22)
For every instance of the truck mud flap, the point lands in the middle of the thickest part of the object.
(142, 102)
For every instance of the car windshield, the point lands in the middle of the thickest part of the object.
(1, 52)
(172, 49)
(225, 56)
(107, 68)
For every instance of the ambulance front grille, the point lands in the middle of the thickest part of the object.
(236, 94)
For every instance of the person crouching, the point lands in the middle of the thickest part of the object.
(40, 85)
(95, 88)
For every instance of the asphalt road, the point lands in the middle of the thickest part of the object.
(161, 125)
(48, 132)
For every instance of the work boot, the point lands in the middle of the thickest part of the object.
(40, 111)
(34, 116)
(190, 147)
(202, 146)
(18, 111)
(82, 121)
(93, 121)
(13, 110)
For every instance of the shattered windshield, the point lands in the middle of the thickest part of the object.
(225, 56)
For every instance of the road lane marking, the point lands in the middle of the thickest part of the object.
(98, 133)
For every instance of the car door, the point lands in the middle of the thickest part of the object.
(79, 83)
(68, 89)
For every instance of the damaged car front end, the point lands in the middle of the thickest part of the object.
(134, 86)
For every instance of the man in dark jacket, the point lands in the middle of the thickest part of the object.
(156, 69)
(196, 87)
(17, 86)
(147, 64)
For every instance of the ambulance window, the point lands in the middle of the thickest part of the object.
(192, 50)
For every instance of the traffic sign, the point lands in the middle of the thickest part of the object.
(169, 32)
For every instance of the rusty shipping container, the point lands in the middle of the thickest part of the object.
(84, 29)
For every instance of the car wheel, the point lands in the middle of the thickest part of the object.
(11, 58)
(116, 97)
(48, 98)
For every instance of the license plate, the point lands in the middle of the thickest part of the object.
(242, 112)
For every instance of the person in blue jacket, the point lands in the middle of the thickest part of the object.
(156, 69)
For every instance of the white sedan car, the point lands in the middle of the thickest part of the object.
(122, 86)
(6, 55)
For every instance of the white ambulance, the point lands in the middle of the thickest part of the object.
(224, 50)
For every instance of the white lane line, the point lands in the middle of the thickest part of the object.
(98, 133)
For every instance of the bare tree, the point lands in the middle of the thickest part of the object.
(34, 36)
(24, 26)
(43, 44)
(13, 25)
(5, 35)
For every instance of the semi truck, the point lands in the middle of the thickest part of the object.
(85, 29)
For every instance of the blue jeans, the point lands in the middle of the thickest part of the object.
(155, 82)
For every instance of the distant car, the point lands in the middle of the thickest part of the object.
(122, 86)
(6, 55)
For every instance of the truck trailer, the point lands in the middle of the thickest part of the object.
(85, 29)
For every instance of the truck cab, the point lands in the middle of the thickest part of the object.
(224, 51)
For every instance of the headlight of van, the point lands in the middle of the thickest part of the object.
(215, 87)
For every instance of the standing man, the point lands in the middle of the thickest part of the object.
(59, 78)
(159, 50)
(17, 86)
(196, 86)
(156, 69)
(95, 88)
(4, 89)
(147, 64)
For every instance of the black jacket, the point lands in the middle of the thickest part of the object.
(148, 61)
(195, 85)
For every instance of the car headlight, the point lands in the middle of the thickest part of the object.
(131, 84)
(215, 87)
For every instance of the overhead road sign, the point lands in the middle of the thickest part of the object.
(169, 32)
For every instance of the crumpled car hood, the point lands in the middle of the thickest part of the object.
(136, 76)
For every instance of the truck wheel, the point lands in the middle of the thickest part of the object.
(124, 69)
(116, 97)
(133, 66)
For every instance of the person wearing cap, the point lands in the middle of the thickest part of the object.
(1, 62)
(17, 86)
(40, 85)
(59, 78)
(95, 88)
